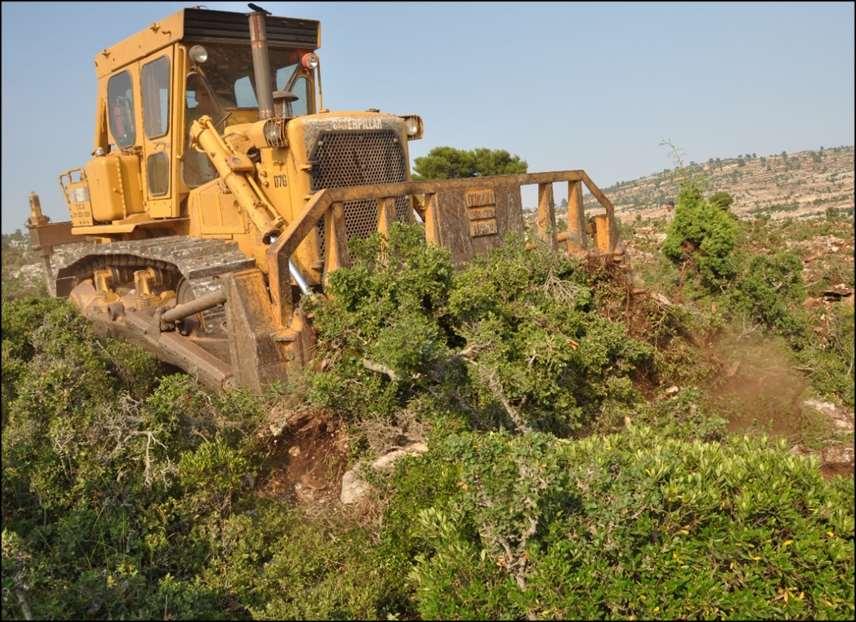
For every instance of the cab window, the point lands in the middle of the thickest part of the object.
(245, 95)
(157, 171)
(120, 107)
(300, 87)
(196, 168)
(229, 74)
(155, 93)
(289, 79)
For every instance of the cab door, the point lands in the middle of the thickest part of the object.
(156, 74)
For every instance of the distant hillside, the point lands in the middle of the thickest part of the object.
(782, 185)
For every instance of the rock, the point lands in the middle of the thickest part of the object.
(732, 369)
(283, 418)
(354, 487)
(837, 293)
(30, 272)
(660, 298)
(672, 390)
(386, 461)
(840, 418)
(837, 454)
(278, 427)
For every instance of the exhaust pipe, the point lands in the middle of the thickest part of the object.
(261, 63)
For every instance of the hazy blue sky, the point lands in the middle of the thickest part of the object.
(562, 85)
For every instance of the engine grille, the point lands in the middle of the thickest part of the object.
(356, 158)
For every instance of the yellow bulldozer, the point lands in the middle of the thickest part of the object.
(220, 192)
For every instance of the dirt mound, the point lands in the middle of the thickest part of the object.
(308, 454)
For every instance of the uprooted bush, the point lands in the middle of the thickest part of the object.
(829, 357)
(514, 339)
(745, 271)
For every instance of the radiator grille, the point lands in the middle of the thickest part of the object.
(356, 158)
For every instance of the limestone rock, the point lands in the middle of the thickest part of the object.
(355, 488)
(837, 455)
(386, 461)
(840, 418)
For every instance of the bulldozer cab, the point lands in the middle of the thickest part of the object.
(154, 84)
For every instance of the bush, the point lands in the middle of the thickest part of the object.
(702, 237)
(514, 339)
(632, 525)
(104, 493)
(770, 289)
(721, 199)
(390, 310)
(542, 345)
(132, 494)
(829, 356)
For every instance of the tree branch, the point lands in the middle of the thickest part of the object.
(22, 602)
(380, 369)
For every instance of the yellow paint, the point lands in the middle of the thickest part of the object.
(114, 186)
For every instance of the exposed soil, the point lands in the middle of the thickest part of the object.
(837, 469)
(759, 387)
(761, 391)
(308, 454)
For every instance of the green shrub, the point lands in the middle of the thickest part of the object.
(828, 357)
(390, 310)
(132, 494)
(721, 199)
(514, 339)
(104, 492)
(684, 415)
(212, 476)
(769, 291)
(632, 525)
(702, 236)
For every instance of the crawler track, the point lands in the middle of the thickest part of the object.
(200, 263)
(185, 268)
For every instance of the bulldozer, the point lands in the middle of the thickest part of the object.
(221, 192)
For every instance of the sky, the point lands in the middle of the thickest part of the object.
(564, 86)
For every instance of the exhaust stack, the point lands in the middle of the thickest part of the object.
(261, 62)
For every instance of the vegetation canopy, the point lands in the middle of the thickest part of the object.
(449, 163)
(587, 450)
